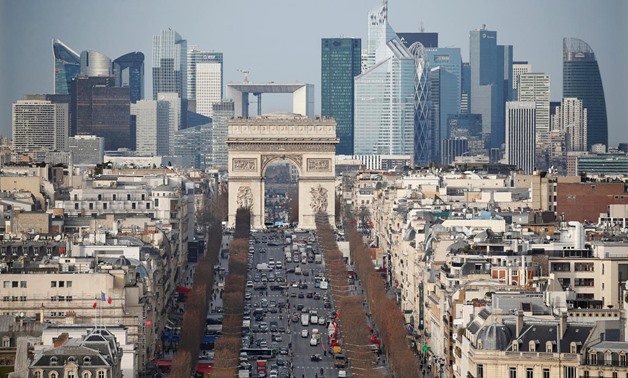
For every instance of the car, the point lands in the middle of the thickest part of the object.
(305, 333)
(303, 286)
(293, 294)
(249, 283)
(317, 296)
(288, 259)
(248, 296)
(321, 321)
(283, 351)
(306, 273)
(300, 306)
(295, 318)
(342, 373)
(263, 344)
(316, 357)
(313, 341)
(281, 361)
(327, 304)
(310, 294)
(277, 338)
(301, 295)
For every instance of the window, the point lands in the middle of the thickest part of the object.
(61, 283)
(53, 374)
(133, 205)
(480, 371)
(68, 283)
(622, 360)
(546, 373)
(100, 197)
(53, 298)
(593, 358)
(143, 197)
(22, 298)
(614, 374)
(148, 205)
(104, 205)
(569, 372)
(14, 298)
(573, 348)
(156, 202)
(70, 374)
(515, 345)
(5, 298)
(512, 372)
(532, 346)
(91, 206)
(548, 347)
(14, 284)
(61, 298)
(101, 374)
(23, 284)
(6, 284)
(37, 374)
(76, 206)
(530, 373)
(53, 283)
(86, 374)
(68, 298)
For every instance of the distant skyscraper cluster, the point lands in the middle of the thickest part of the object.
(396, 94)
(99, 104)
(412, 97)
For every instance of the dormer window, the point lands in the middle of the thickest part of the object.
(549, 347)
(54, 361)
(71, 359)
(573, 348)
(532, 346)
(53, 374)
(593, 358)
(515, 345)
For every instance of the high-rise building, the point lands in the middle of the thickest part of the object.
(449, 62)
(535, 87)
(340, 64)
(429, 40)
(174, 116)
(223, 112)
(452, 148)
(39, 124)
(94, 63)
(192, 145)
(520, 135)
(465, 88)
(99, 108)
(128, 71)
(152, 127)
(571, 118)
(208, 86)
(435, 78)
(86, 149)
(391, 96)
(582, 80)
(169, 64)
(491, 82)
(518, 68)
(196, 56)
(67, 66)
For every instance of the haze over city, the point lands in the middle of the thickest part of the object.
(280, 40)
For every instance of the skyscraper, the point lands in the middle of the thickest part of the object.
(571, 118)
(67, 66)
(174, 116)
(535, 87)
(169, 64)
(99, 108)
(39, 124)
(128, 71)
(520, 131)
(208, 85)
(217, 157)
(449, 61)
(152, 127)
(519, 68)
(429, 40)
(465, 88)
(582, 80)
(196, 56)
(94, 63)
(491, 82)
(388, 94)
(340, 64)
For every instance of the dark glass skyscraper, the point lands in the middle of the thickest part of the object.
(67, 66)
(101, 109)
(581, 79)
(128, 71)
(169, 63)
(340, 63)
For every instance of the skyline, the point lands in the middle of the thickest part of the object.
(263, 51)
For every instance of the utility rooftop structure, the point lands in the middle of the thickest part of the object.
(302, 96)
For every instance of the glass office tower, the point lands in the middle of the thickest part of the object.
(384, 97)
(491, 82)
(340, 64)
(67, 66)
(169, 64)
(582, 80)
(196, 56)
(128, 71)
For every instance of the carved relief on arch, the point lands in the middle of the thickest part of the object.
(295, 159)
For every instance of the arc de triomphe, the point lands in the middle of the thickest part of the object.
(307, 143)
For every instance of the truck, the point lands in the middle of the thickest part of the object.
(262, 367)
(305, 319)
(246, 326)
(298, 270)
(324, 284)
(262, 266)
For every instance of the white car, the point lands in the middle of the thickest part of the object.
(305, 333)
(313, 341)
(249, 283)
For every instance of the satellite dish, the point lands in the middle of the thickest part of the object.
(58, 237)
(36, 238)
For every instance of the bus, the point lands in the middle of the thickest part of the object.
(259, 352)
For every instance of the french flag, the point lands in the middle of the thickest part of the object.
(105, 298)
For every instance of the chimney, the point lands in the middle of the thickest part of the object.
(519, 323)
(563, 323)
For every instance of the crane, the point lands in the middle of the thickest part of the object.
(246, 74)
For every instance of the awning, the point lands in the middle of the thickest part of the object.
(163, 363)
(204, 367)
(183, 289)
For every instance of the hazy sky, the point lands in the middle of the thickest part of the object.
(279, 40)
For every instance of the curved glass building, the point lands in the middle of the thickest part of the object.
(94, 63)
(128, 71)
(67, 66)
(581, 79)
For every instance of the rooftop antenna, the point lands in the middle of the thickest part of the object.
(421, 28)
(246, 74)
